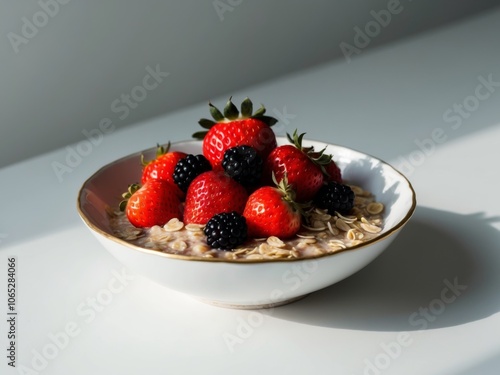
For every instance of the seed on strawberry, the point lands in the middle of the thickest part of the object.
(154, 203)
(272, 211)
(226, 230)
(232, 128)
(244, 164)
(211, 193)
(162, 167)
(188, 168)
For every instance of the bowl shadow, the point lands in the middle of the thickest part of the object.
(441, 271)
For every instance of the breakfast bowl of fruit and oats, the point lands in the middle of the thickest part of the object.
(241, 218)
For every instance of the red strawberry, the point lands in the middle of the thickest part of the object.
(211, 193)
(333, 172)
(302, 168)
(271, 211)
(155, 203)
(162, 168)
(233, 129)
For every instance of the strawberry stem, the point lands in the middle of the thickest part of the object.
(216, 114)
(199, 135)
(230, 110)
(289, 195)
(319, 158)
(160, 150)
(246, 108)
(132, 188)
(231, 113)
(206, 123)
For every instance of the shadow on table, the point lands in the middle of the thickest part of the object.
(441, 271)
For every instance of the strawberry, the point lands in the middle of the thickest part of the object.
(333, 172)
(154, 203)
(162, 167)
(211, 193)
(302, 167)
(232, 128)
(272, 211)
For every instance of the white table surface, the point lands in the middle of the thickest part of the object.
(396, 316)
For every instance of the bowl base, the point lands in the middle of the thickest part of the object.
(252, 306)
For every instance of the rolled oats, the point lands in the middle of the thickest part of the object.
(178, 245)
(194, 227)
(354, 234)
(347, 219)
(275, 241)
(357, 190)
(374, 208)
(254, 256)
(333, 230)
(342, 225)
(308, 241)
(370, 228)
(173, 225)
(305, 235)
(337, 243)
(315, 229)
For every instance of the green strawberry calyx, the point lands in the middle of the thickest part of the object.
(319, 158)
(160, 151)
(289, 195)
(231, 113)
(132, 188)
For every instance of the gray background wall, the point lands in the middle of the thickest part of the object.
(64, 76)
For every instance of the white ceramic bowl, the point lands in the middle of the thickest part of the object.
(248, 283)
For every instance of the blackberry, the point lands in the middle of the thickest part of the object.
(335, 197)
(226, 230)
(188, 168)
(243, 164)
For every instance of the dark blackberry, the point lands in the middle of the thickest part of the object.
(226, 230)
(188, 168)
(335, 197)
(243, 164)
